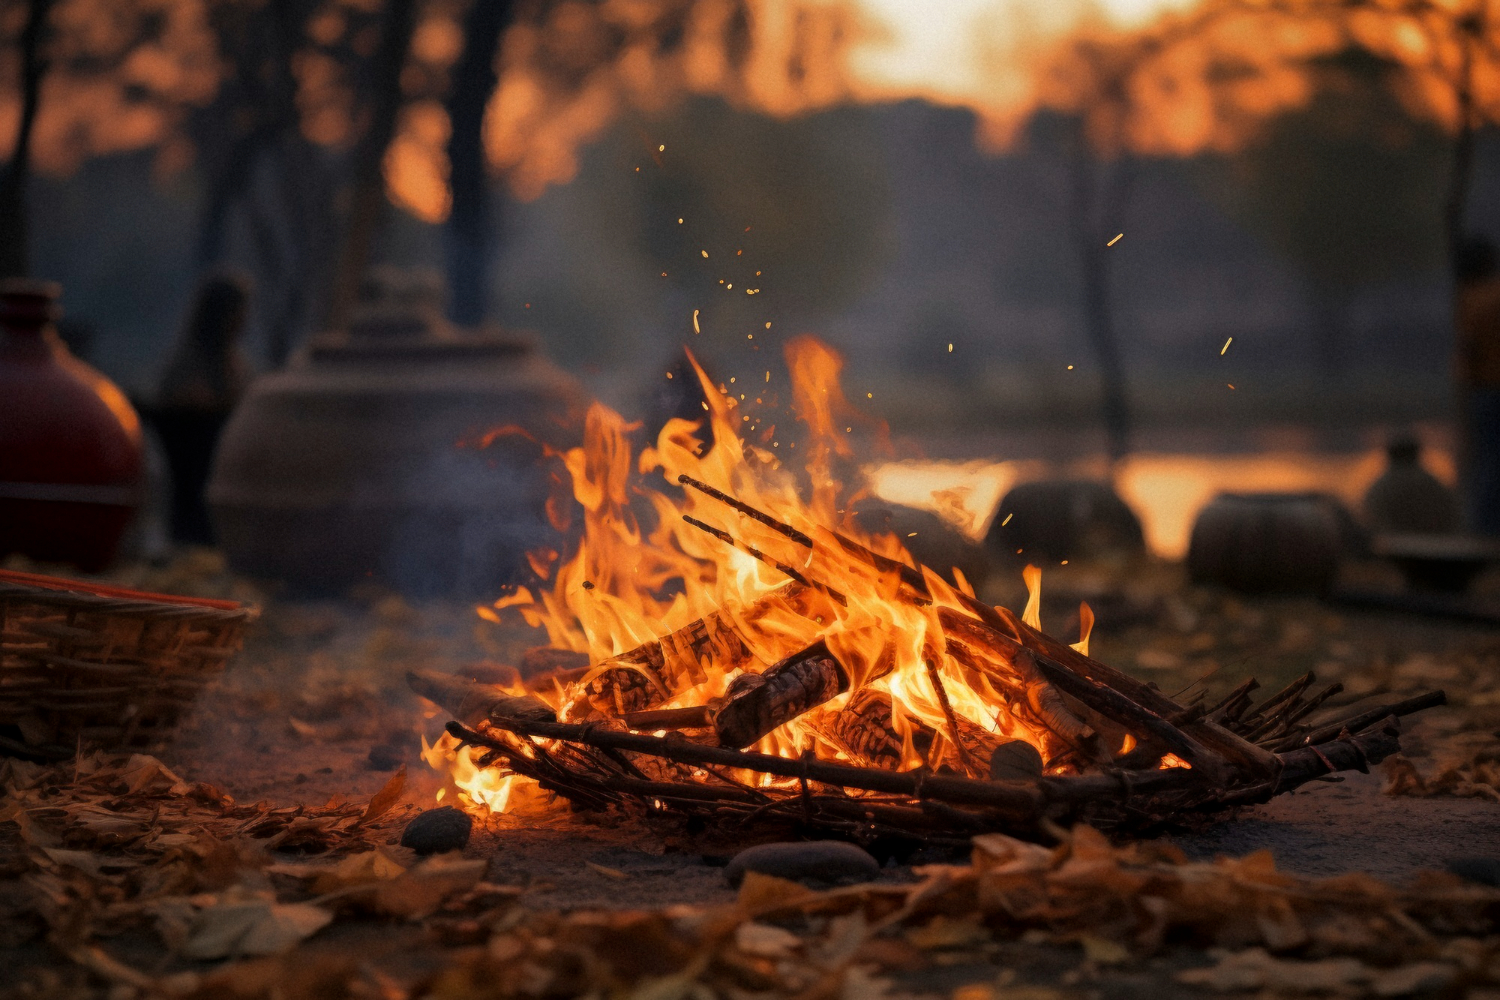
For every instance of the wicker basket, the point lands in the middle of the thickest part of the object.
(104, 667)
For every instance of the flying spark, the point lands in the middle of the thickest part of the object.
(1114, 241)
(696, 328)
(1226, 346)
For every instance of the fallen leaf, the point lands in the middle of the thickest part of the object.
(252, 927)
(84, 861)
(357, 869)
(765, 941)
(427, 885)
(759, 892)
(386, 797)
(613, 873)
(1102, 951)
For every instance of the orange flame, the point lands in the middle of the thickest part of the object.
(641, 571)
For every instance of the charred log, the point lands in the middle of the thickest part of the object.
(471, 701)
(755, 704)
(651, 673)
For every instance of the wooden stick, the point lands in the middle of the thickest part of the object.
(959, 749)
(691, 717)
(747, 510)
(470, 701)
(1011, 798)
(790, 571)
(1429, 699)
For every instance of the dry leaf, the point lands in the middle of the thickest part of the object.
(252, 927)
(613, 873)
(759, 893)
(357, 869)
(84, 861)
(427, 885)
(765, 941)
(387, 796)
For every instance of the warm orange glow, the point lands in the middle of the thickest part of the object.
(642, 571)
(1168, 491)
(963, 495)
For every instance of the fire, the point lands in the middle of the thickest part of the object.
(681, 592)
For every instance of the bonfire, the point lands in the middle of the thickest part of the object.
(730, 646)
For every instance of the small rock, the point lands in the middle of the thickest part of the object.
(438, 830)
(1485, 871)
(814, 862)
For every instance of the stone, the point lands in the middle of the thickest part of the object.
(1485, 871)
(813, 862)
(438, 830)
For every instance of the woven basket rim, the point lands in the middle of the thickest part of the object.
(123, 600)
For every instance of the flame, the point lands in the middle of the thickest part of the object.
(642, 571)
(1085, 627)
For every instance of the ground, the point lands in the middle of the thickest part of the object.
(315, 709)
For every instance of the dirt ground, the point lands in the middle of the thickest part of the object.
(315, 711)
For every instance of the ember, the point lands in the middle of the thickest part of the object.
(759, 660)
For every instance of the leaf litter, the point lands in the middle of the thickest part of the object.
(239, 897)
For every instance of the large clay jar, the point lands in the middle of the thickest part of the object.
(70, 443)
(1266, 542)
(1059, 519)
(399, 452)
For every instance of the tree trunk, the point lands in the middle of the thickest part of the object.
(14, 236)
(1093, 228)
(468, 244)
(367, 201)
(1461, 172)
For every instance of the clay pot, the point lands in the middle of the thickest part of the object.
(1407, 499)
(1059, 519)
(366, 458)
(1266, 542)
(70, 443)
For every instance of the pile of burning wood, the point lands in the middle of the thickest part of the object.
(829, 683)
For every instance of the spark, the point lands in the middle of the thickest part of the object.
(869, 395)
(661, 149)
(679, 222)
(1230, 384)
(1114, 241)
(704, 253)
(749, 336)
(696, 328)
(704, 405)
(911, 534)
(1007, 519)
(768, 326)
(768, 376)
(950, 348)
(729, 286)
(1226, 346)
(1070, 368)
(669, 374)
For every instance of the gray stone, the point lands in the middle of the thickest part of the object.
(438, 830)
(813, 862)
(1485, 871)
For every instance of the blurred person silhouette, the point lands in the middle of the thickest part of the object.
(204, 379)
(1477, 374)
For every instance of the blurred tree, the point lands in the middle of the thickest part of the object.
(470, 223)
(13, 227)
(1345, 187)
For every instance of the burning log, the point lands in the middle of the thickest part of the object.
(649, 674)
(758, 703)
(1001, 758)
(471, 701)
(865, 729)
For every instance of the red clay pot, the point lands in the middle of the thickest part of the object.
(70, 443)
